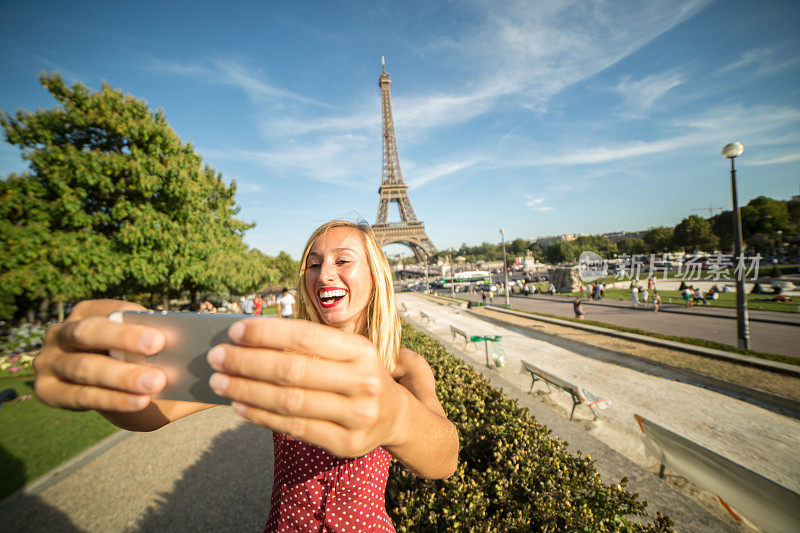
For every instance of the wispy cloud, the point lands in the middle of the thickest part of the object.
(232, 72)
(425, 175)
(701, 132)
(337, 159)
(786, 158)
(256, 87)
(640, 95)
(545, 46)
(765, 60)
(536, 203)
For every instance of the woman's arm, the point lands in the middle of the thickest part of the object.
(430, 444)
(343, 400)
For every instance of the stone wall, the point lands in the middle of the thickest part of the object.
(565, 279)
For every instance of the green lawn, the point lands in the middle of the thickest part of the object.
(726, 299)
(35, 438)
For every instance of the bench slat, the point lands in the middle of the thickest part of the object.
(579, 394)
(772, 507)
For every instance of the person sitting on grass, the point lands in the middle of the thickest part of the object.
(698, 296)
(340, 394)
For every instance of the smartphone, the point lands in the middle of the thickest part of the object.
(189, 337)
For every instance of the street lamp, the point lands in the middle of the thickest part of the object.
(732, 151)
(505, 268)
(452, 277)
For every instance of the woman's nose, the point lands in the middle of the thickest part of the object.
(327, 271)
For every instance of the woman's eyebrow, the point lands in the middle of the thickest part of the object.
(317, 254)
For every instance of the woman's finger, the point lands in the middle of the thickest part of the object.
(102, 371)
(103, 308)
(100, 333)
(57, 393)
(289, 401)
(300, 336)
(283, 368)
(329, 436)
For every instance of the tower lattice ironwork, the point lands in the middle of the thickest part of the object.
(409, 231)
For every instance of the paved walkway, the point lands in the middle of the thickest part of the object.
(211, 471)
(765, 337)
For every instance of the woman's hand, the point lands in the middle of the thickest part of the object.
(344, 401)
(73, 372)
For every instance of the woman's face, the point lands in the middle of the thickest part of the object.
(338, 279)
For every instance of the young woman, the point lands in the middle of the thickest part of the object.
(339, 392)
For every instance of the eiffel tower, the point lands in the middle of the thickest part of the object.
(409, 231)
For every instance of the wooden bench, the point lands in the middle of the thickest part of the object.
(579, 394)
(460, 333)
(426, 317)
(770, 506)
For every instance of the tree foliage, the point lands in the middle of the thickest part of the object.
(561, 251)
(114, 202)
(659, 240)
(632, 245)
(694, 234)
(596, 243)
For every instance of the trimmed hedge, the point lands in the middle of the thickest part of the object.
(512, 476)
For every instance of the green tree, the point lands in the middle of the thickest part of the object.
(597, 244)
(765, 215)
(561, 251)
(793, 207)
(694, 234)
(287, 269)
(632, 245)
(658, 240)
(517, 247)
(722, 227)
(41, 261)
(129, 206)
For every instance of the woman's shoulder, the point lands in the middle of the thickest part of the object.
(408, 361)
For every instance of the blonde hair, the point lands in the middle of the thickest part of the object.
(383, 320)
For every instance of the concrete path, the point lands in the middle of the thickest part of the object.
(765, 337)
(211, 471)
(763, 441)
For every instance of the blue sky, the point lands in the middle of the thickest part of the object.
(541, 117)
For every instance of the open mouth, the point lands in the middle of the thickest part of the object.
(330, 296)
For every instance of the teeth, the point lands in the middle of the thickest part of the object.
(332, 294)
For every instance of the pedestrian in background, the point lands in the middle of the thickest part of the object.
(286, 304)
(577, 306)
(656, 301)
(687, 296)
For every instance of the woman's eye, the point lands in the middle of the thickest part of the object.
(342, 261)
(313, 265)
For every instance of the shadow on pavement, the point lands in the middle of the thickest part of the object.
(228, 488)
(13, 472)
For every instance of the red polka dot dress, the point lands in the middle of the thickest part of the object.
(316, 491)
